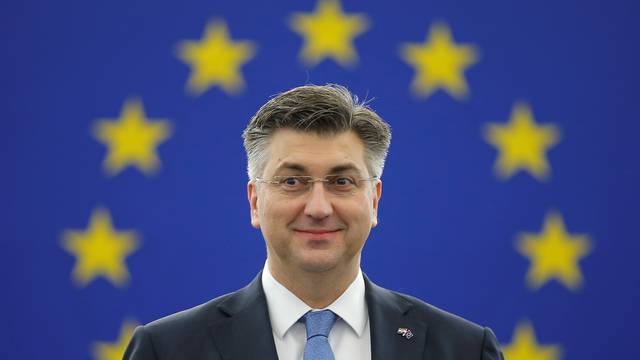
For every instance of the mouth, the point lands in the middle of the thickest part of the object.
(317, 234)
(317, 231)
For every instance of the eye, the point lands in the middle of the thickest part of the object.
(341, 181)
(290, 181)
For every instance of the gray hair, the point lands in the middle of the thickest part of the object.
(324, 110)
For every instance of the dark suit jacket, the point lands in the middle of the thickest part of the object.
(236, 326)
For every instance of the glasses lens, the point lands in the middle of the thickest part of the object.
(292, 184)
(341, 184)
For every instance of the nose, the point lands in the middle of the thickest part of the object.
(318, 205)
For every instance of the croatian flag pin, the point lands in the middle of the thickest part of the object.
(404, 332)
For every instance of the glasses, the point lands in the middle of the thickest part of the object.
(336, 184)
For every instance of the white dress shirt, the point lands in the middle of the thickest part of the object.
(350, 338)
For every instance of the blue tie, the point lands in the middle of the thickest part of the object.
(318, 324)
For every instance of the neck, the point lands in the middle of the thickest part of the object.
(316, 289)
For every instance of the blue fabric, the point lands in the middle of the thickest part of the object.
(318, 324)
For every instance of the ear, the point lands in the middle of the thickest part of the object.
(377, 194)
(252, 196)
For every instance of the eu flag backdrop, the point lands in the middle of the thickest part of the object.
(510, 194)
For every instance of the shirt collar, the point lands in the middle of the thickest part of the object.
(285, 308)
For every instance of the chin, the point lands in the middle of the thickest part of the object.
(318, 263)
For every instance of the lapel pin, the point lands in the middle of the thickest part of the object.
(404, 332)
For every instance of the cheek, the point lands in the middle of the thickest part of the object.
(359, 216)
(367, 211)
(276, 214)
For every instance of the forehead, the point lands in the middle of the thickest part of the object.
(314, 153)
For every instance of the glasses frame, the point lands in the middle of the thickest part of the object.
(309, 180)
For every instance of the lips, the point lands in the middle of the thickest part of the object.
(317, 235)
(317, 231)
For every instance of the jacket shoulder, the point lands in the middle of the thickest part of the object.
(412, 307)
(200, 315)
(451, 336)
(440, 318)
(185, 334)
(188, 334)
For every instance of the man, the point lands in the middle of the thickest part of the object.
(315, 157)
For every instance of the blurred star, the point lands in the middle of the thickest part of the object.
(329, 33)
(115, 351)
(131, 139)
(524, 346)
(554, 253)
(216, 59)
(522, 144)
(100, 250)
(439, 63)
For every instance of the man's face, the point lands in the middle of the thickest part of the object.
(317, 230)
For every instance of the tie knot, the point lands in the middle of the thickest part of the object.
(319, 322)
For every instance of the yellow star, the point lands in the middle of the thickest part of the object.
(522, 144)
(439, 63)
(553, 253)
(329, 32)
(131, 139)
(524, 346)
(115, 351)
(215, 59)
(100, 250)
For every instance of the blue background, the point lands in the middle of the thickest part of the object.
(448, 225)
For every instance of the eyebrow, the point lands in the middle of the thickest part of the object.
(335, 169)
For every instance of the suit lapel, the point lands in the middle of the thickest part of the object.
(245, 332)
(387, 313)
